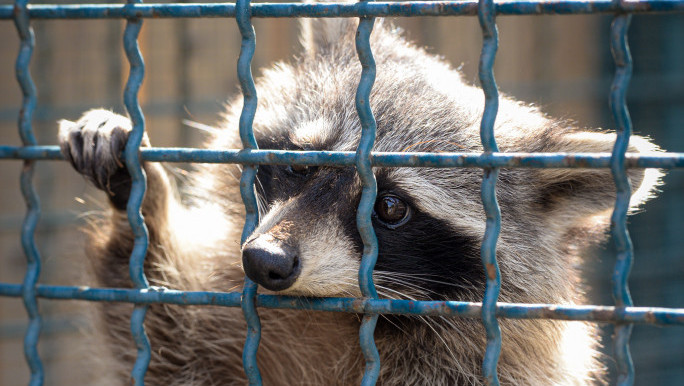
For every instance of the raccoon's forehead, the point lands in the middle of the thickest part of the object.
(336, 134)
(312, 133)
(322, 119)
(321, 133)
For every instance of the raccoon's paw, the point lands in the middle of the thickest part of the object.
(94, 146)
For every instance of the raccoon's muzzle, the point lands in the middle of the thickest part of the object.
(272, 264)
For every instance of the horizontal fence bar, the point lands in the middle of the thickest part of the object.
(363, 9)
(602, 314)
(386, 159)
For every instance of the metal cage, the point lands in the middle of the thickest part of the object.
(623, 315)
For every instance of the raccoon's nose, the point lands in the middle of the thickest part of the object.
(272, 264)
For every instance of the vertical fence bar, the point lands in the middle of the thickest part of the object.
(28, 289)
(618, 222)
(368, 195)
(244, 70)
(138, 187)
(486, 14)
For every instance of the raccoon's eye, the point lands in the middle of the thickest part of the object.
(392, 211)
(300, 170)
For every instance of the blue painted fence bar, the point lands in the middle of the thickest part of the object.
(244, 70)
(364, 9)
(608, 314)
(138, 188)
(28, 229)
(618, 221)
(369, 193)
(387, 159)
(490, 43)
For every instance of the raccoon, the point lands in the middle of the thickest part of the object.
(429, 224)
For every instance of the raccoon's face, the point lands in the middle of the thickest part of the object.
(429, 222)
(307, 242)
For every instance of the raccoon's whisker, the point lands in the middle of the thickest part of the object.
(385, 295)
(406, 274)
(393, 276)
(419, 290)
(455, 329)
(389, 320)
(454, 285)
(381, 291)
(408, 284)
(201, 126)
(339, 283)
(439, 336)
(401, 294)
(386, 291)
(426, 258)
(402, 282)
(262, 204)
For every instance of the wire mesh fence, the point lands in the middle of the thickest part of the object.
(623, 314)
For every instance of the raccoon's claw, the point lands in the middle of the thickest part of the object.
(94, 145)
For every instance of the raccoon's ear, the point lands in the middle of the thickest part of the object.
(577, 194)
(320, 35)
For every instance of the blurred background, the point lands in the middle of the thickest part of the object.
(561, 63)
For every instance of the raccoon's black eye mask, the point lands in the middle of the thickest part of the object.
(391, 210)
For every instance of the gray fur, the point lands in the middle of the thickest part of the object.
(421, 104)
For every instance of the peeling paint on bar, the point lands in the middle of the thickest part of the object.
(386, 159)
(366, 9)
(602, 314)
